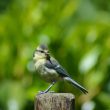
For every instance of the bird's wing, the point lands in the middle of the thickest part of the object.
(53, 64)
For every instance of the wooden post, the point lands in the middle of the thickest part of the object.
(55, 101)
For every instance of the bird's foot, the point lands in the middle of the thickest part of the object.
(43, 92)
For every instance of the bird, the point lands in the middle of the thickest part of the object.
(50, 69)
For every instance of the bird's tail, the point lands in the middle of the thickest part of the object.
(75, 84)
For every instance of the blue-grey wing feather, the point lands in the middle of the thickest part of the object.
(53, 64)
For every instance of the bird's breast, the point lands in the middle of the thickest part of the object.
(47, 74)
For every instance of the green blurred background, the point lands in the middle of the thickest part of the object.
(78, 35)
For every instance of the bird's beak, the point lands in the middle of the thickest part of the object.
(34, 53)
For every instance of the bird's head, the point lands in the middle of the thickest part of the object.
(41, 52)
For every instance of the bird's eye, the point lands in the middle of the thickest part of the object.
(42, 51)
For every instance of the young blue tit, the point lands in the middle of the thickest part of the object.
(50, 70)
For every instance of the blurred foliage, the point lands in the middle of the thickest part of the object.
(78, 35)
